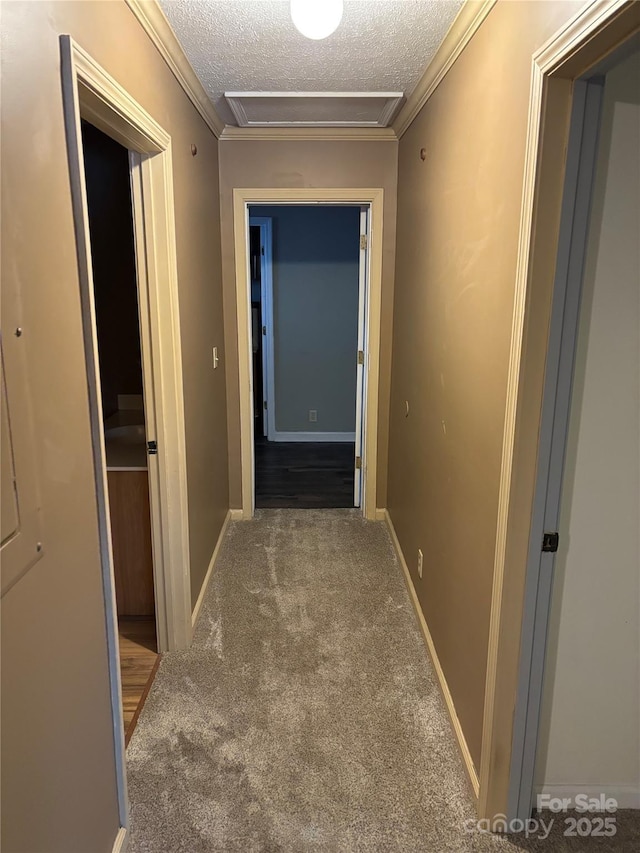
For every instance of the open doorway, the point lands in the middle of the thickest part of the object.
(308, 270)
(91, 94)
(590, 741)
(370, 201)
(115, 290)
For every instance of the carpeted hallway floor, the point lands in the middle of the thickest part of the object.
(306, 715)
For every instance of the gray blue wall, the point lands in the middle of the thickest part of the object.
(315, 306)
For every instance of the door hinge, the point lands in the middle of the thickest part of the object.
(550, 542)
(264, 330)
(358, 463)
(262, 250)
(360, 356)
(364, 242)
(152, 448)
(265, 404)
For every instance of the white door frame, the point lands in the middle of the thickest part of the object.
(565, 317)
(90, 93)
(361, 376)
(265, 225)
(242, 200)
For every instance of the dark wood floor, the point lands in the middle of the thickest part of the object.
(139, 661)
(306, 475)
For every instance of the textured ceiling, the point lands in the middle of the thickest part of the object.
(252, 45)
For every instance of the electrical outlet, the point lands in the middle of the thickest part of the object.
(419, 563)
(216, 360)
(313, 416)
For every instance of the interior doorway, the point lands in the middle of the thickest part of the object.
(115, 291)
(575, 724)
(369, 203)
(308, 273)
(92, 95)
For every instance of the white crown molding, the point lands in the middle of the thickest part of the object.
(157, 27)
(154, 22)
(560, 47)
(462, 30)
(309, 134)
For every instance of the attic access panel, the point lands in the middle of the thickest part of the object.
(314, 109)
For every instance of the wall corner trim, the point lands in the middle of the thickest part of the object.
(462, 30)
(381, 514)
(154, 22)
(426, 634)
(212, 563)
(236, 514)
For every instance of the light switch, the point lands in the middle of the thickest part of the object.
(216, 360)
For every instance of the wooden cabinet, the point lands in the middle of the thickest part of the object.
(131, 542)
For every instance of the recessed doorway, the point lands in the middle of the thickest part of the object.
(259, 368)
(308, 267)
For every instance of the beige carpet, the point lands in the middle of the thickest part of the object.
(306, 715)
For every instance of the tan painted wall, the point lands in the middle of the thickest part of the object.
(458, 221)
(306, 164)
(58, 783)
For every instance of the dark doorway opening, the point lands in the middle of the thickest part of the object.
(115, 290)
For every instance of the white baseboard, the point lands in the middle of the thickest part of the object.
(236, 514)
(313, 436)
(212, 562)
(121, 843)
(626, 796)
(444, 687)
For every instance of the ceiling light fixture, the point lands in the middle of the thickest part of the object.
(316, 19)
